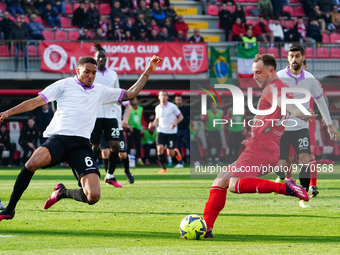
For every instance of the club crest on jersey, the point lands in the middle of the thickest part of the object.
(193, 56)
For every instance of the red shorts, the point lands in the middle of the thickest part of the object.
(253, 163)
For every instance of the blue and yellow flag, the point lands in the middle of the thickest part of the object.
(220, 65)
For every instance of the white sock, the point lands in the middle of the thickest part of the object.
(109, 176)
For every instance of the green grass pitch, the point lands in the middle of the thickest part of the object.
(144, 218)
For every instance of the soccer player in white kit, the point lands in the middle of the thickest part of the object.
(107, 120)
(295, 77)
(167, 118)
(79, 99)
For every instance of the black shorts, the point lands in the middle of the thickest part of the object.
(107, 126)
(76, 151)
(122, 142)
(299, 139)
(167, 139)
(103, 143)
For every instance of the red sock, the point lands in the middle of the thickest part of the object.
(215, 204)
(256, 185)
(313, 172)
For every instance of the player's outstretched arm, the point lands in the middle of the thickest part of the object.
(134, 90)
(25, 106)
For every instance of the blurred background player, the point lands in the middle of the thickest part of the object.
(212, 133)
(298, 135)
(148, 143)
(5, 144)
(43, 118)
(167, 118)
(28, 139)
(107, 122)
(183, 132)
(135, 128)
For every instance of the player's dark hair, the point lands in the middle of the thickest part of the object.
(98, 47)
(164, 91)
(84, 60)
(297, 47)
(304, 62)
(267, 59)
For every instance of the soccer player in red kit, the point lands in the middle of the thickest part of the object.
(262, 149)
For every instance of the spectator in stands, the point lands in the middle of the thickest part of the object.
(308, 6)
(153, 25)
(99, 35)
(35, 28)
(314, 32)
(6, 25)
(180, 25)
(92, 19)
(43, 118)
(225, 20)
(328, 20)
(13, 6)
(335, 17)
(40, 4)
(59, 6)
(29, 7)
(139, 25)
(265, 8)
(337, 3)
(238, 31)
(166, 37)
(170, 27)
(84, 35)
(117, 35)
(143, 9)
(103, 24)
(28, 139)
(325, 5)
(79, 15)
(289, 33)
(277, 30)
(239, 13)
(278, 9)
(128, 26)
(51, 17)
(319, 16)
(249, 40)
(181, 37)
(23, 20)
(154, 36)
(116, 11)
(158, 14)
(5, 144)
(127, 7)
(128, 36)
(142, 36)
(163, 4)
(196, 37)
(170, 12)
(262, 31)
(148, 143)
(19, 35)
(300, 30)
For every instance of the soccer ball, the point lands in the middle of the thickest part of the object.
(193, 227)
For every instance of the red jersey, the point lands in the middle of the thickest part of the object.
(268, 129)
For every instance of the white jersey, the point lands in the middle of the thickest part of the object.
(108, 78)
(167, 115)
(77, 106)
(305, 80)
(119, 113)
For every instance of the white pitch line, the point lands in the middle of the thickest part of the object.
(7, 236)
